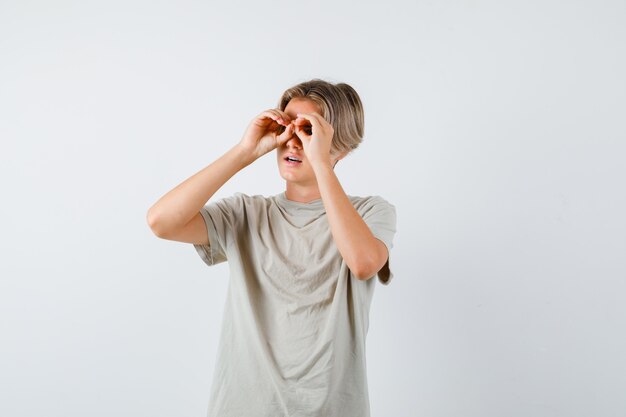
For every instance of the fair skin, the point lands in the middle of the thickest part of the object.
(301, 182)
(176, 215)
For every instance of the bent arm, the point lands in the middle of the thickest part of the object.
(364, 254)
(177, 208)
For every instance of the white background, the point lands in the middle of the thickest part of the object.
(496, 129)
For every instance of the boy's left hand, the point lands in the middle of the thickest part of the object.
(317, 144)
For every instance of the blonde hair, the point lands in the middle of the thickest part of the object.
(340, 105)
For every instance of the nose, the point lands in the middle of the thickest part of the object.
(294, 141)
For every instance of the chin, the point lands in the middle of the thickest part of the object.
(296, 178)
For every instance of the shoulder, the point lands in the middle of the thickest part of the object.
(364, 204)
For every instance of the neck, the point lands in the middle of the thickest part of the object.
(302, 194)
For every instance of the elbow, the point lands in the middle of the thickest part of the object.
(363, 272)
(150, 218)
(154, 224)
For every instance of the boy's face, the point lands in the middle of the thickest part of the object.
(300, 172)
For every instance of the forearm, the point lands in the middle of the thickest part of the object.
(179, 205)
(351, 234)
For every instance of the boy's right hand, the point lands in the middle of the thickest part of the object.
(267, 131)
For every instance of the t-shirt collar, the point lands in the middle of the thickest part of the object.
(313, 205)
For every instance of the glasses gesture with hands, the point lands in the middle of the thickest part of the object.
(272, 128)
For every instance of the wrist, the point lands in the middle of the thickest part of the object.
(321, 166)
(243, 155)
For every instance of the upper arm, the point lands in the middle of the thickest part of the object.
(213, 229)
(380, 216)
(195, 231)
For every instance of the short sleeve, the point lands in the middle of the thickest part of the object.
(220, 218)
(380, 216)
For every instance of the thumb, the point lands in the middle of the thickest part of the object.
(286, 134)
(296, 129)
(301, 132)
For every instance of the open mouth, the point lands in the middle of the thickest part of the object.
(292, 161)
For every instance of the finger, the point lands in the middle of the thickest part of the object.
(284, 117)
(310, 116)
(301, 133)
(310, 120)
(304, 126)
(274, 115)
(271, 113)
(281, 117)
(269, 120)
(289, 130)
(303, 121)
(284, 137)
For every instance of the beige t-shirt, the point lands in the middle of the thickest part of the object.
(295, 319)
